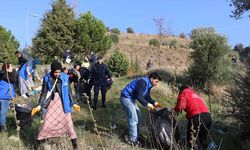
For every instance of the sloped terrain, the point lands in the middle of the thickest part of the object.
(137, 46)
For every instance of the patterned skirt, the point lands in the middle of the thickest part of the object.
(57, 123)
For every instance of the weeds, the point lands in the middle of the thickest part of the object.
(111, 124)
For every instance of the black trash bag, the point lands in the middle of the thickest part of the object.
(109, 83)
(23, 114)
(163, 126)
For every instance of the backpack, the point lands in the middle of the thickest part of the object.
(163, 125)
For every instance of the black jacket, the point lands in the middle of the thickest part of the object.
(99, 74)
(85, 73)
(24, 58)
(12, 76)
(58, 88)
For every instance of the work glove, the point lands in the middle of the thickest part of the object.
(157, 104)
(77, 107)
(35, 110)
(150, 107)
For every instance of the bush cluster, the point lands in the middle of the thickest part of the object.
(114, 38)
(130, 30)
(115, 31)
(118, 63)
(154, 42)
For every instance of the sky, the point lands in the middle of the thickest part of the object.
(23, 17)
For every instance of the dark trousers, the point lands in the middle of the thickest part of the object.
(78, 90)
(88, 90)
(199, 124)
(96, 92)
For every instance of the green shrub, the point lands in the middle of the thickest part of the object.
(182, 35)
(115, 30)
(118, 63)
(154, 42)
(134, 67)
(165, 43)
(173, 44)
(210, 55)
(130, 30)
(114, 38)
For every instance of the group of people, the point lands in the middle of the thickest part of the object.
(199, 119)
(56, 99)
(94, 75)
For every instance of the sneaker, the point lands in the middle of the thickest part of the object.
(137, 144)
(25, 96)
(132, 143)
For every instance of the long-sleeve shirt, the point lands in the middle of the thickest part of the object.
(191, 103)
(144, 100)
(139, 89)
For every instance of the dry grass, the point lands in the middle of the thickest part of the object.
(174, 62)
(137, 46)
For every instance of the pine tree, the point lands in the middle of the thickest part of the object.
(8, 46)
(237, 101)
(92, 35)
(118, 63)
(241, 7)
(57, 31)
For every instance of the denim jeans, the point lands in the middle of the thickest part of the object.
(134, 117)
(4, 106)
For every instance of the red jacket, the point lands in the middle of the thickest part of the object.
(191, 103)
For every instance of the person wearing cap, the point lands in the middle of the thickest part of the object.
(197, 113)
(138, 89)
(98, 74)
(57, 98)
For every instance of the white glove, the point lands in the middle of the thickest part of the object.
(150, 106)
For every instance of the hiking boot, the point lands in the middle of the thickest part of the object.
(104, 106)
(74, 144)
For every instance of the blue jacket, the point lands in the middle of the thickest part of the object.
(22, 71)
(6, 90)
(64, 91)
(139, 89)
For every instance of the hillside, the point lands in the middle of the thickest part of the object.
(137, 46)
(111, 122)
